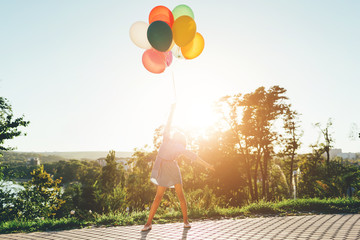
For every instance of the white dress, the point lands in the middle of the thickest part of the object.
(166, 171)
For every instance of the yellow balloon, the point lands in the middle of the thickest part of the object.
(171, 46)
(184, 30)
(194, 48)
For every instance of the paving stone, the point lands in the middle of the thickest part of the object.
(333, 226)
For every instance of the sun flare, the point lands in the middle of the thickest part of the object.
(195, 117)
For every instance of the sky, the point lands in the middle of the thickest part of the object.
(71, 69)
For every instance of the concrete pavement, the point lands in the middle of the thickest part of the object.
(331, 226)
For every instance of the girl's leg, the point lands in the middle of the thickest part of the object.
(159, 194)
(183, 205)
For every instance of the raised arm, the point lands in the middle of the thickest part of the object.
(168, 123)
(205, 164)
(195, 158)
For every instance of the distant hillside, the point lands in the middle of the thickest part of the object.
(46, 157)
(10, 157)
(86, 155)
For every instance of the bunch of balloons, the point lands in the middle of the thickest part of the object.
(168, 33)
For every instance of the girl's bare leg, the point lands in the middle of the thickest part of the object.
(159, 194)
(180, 193)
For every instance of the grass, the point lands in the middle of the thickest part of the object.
(40, 225)
(262, 208)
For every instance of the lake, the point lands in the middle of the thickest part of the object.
(11, 186)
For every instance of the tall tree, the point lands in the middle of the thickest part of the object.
(9, 125)
(328, 139)
(291, 142)
(110, 193)
(263, 108)
(140, 191)
(234, 141)
(251, 118)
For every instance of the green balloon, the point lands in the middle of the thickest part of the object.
(182, 10)
(160, 35)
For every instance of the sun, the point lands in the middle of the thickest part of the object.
(195, 116)
(195, 99)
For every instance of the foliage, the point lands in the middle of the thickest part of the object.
(291, 143)
(278, 183)
(253, 148)
(228, 181)
(74, 170)
(252, 133)
(40, 198)
(14, 171)
(324, 178)
(40, 224)
(286, 207)
(335, 179)
(79, 190)
(328, 139)
(9, 125)
(140, 191)
(21, 158)
(6, 202)
(109, 192)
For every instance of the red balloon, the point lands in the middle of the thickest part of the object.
(154, 61)
(161, 13)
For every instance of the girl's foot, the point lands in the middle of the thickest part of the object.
(147, 227)
(187, 225)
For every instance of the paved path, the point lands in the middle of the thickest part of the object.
(336, 226)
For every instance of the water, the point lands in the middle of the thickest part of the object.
(282, 175)
(13, 187)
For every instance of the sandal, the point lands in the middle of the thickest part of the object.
(187, 225)
(146, 228)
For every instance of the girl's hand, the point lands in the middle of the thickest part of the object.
(211, 167)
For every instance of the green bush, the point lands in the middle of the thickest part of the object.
(40, 225)
(299, 206)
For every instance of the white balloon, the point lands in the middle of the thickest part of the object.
(176, 50)
(138, 34)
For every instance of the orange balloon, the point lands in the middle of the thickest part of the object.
(184, 30)
(161, 13)
(194, 48)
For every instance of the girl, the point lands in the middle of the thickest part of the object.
(166, 172)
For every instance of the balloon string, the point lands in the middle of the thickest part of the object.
(173, 80)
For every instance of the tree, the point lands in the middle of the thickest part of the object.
(338, 179)
(112, 174)
(291, 141)
(311, 175)
(251, 119)
(110, 193)
(41, 197)
(233, 141)
(140, 190)
(9, 126)
(79, 178)
(328, 139)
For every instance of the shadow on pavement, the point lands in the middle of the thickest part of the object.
(185, 232)
(144, 235)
